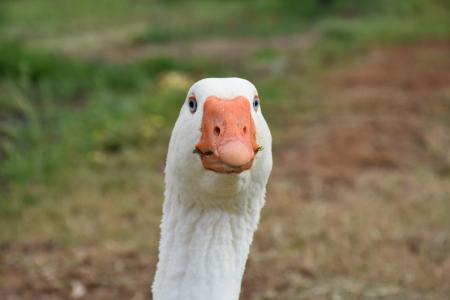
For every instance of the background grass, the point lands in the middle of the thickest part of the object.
(90, 90)
(43, 87)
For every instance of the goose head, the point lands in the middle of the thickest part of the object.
(221, 143)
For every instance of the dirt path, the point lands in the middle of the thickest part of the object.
(358, 205)
(232, 48)
(360, 200)
(115, 47)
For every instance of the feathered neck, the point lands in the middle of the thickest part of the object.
(205, 243)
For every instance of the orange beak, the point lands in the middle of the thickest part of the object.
(228, 141)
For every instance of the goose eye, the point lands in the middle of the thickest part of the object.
(192, 102)
(256, 103)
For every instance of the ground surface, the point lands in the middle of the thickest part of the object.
(358, 205)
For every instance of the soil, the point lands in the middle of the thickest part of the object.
(356, 205)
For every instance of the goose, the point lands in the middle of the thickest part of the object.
(218, 163)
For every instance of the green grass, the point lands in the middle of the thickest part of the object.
(84, 134)
(46, 22)
(53, 107)
(56, 111)
(62, 113)
(47, 17)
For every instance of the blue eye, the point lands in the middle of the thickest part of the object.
(192, 102)
(256, 103)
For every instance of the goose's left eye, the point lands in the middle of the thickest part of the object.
(256, 103)
(192, 102)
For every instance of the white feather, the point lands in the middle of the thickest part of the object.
(208, 218)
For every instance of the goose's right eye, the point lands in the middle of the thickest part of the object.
(192, 102)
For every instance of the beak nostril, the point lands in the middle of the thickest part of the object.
(217, 131)
(244, 129)
(209, 152)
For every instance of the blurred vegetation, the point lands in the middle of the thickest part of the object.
(61, 112)
(89, 91)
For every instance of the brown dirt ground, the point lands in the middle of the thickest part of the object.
(358, 204)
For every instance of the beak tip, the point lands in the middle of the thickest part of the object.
(235, 153)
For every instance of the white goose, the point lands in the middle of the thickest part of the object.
(218, 164)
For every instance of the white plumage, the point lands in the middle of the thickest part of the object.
(209, 218)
